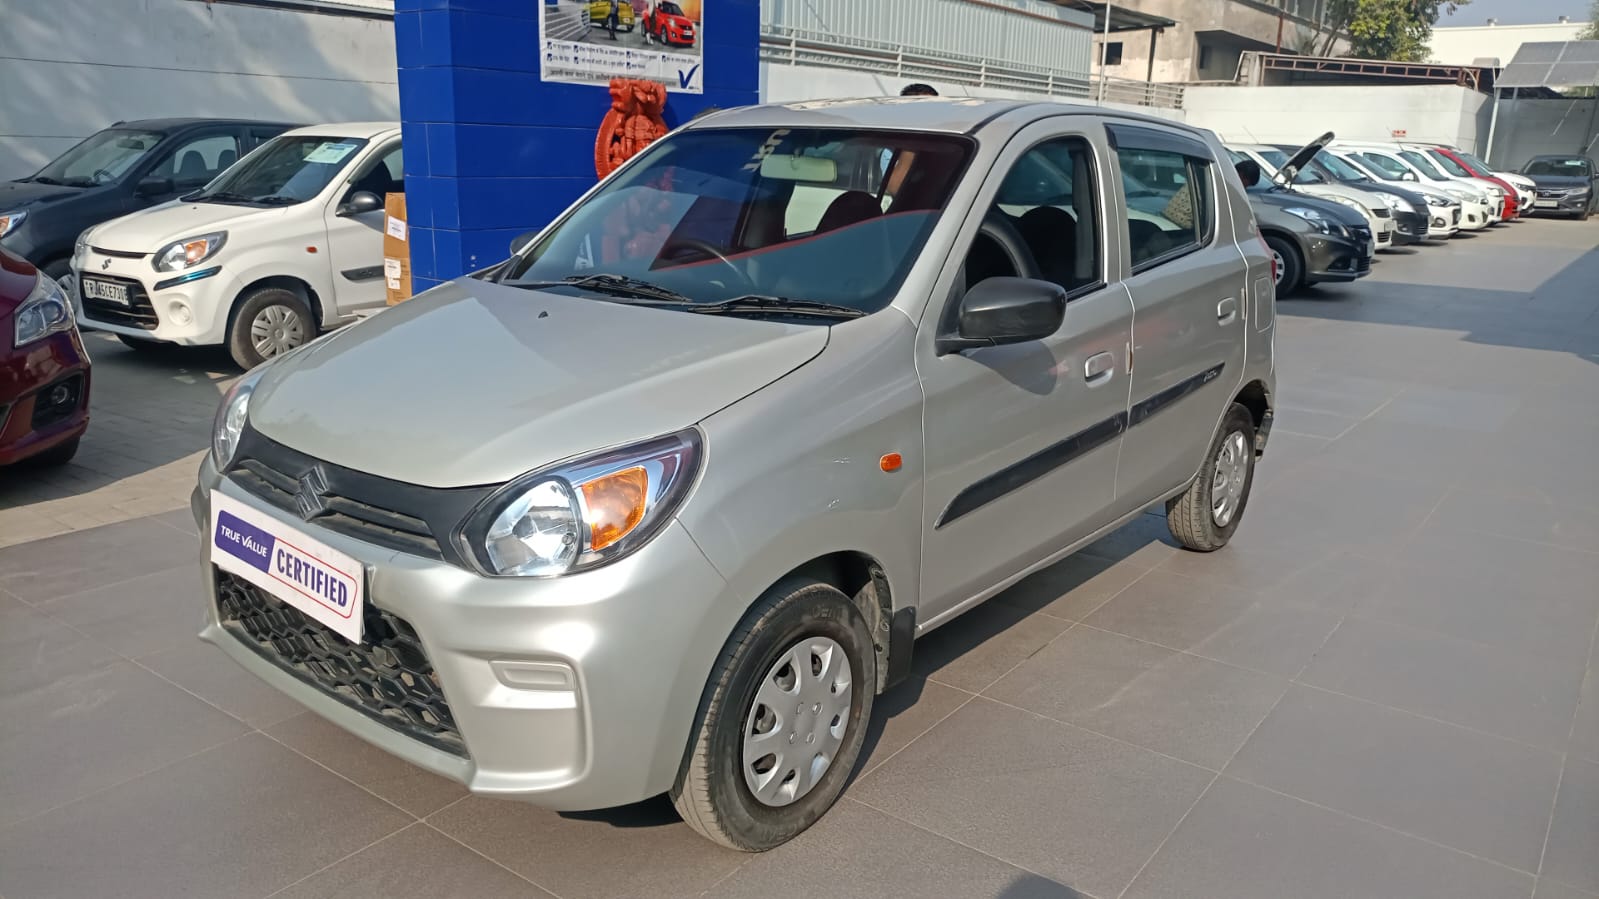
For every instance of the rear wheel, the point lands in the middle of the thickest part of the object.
(1290, 267)
(782, 719)
(267, 323)
(1204, 517)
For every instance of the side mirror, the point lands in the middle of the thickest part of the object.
(1409, 176)
(360, 202)
(522, 240)
(1006, 310)
(154, 186)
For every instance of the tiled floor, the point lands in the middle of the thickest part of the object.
(1386, 687)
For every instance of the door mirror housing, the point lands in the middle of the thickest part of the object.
(360, 202)
(519, 242)
(1409, 176)
(1005, 310)
(154, 186)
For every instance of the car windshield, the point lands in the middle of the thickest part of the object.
(1275, 158)
(819, 215)
(1421, 163)
(1386, 166)
(670, 9)
(1474, 162)
(1449, 165)
(103, 158)
(1571, 166)
(287, 169)
(1341, 170)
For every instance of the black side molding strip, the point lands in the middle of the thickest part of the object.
(1014, 477)
(1142, 411)
(369, 273)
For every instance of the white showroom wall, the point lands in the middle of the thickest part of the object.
(1438, 113)
(71, 67)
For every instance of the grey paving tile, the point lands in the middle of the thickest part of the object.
(1180, 705)
(1442, 677)
(1545, 520)
(180, 519)
(419, 792)
(907, 861)
(1145, 542)
(1480, 794)
(1077, 808)
(1415, 453)
(1244, 842)
(140, 616)
(416, 863)
(1585, 730)
(83, 560)
(203, 670)
(1310, 423)
(1550, 889)
(1330, 506)
(640, 851)
(87, 730)
(37, 650)
(903, 714)
(977, 648)
(1467, 410)
(1572, 857)
(1347, 395)
(1072, 587)
(243, 819)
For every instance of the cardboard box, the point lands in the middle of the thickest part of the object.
(396, 250)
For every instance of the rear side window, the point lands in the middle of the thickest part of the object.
(1049, 196)
(1169, 208)
(199, 159)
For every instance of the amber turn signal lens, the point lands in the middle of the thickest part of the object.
(615, 505)
(891, 462)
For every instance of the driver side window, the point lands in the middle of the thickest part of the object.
(383, 174)
(1044, 222)
(197, 160)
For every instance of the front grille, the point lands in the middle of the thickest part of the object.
(119, 254)
(1457, 217)
(388, 678)
(56, 402)
(1380, 211)
(364, 521)
(139, 313)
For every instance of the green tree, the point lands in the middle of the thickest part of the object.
(1386, 29)
(1591, 33)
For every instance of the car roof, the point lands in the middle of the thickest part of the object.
(1255, 147)
(175, 124)
(1556, 156)
(951, 115)
(349, 129)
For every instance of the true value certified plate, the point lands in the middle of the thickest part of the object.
(309, 575)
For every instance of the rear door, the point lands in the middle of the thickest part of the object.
(355, 242)
(1190, 297)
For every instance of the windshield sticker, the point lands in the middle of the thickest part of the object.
(330, 153)
(772, 143)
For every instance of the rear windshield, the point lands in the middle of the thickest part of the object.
(1572, 166)
(826, 215)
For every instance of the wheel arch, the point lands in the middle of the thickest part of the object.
(292, 284)
(864, 579)
(1256, 397)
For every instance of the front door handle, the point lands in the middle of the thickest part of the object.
(1226, 311)
(1099, 367)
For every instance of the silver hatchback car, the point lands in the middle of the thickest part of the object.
(661, 503)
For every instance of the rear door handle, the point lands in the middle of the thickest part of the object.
(1226, 311)
(1099, 367)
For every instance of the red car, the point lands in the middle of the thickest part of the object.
(1447, 159)
(667, 23)
(44, 371)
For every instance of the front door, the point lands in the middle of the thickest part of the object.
(355, 242)
(1022, 440)
(1190, 291)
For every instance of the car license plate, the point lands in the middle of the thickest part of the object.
(95, 289)
(325, 584)
(1546, 204)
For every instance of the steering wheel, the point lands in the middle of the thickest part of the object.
(711, 252)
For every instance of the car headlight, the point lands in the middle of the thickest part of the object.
(583, 513)
(181, 254)
(1435, 200)
(10, 220)
(231, 416)
(1318, 219)
(46, 311)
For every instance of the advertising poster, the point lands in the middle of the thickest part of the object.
(593, 41)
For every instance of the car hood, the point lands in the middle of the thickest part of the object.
(147, 230)
(475, 383)
(1301, 157)
(1366, 200)
(1558, 181)
(1284, 199)
(24, 194)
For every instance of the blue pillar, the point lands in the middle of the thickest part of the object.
(493, 151)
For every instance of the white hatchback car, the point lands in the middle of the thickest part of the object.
(283, 245)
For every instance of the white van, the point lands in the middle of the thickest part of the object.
(285, 244)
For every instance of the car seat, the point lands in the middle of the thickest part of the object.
(1051, 233)
(849, 208)
(192, 167)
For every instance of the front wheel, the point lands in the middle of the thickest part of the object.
(267, 323)
(1290, 269)
(1204, 516)
(782, 719)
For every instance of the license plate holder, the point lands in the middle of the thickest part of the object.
(301, 572)
(1546, 204)
(108, 291)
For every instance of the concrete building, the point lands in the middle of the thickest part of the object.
(1465, 45)
(1211, 36)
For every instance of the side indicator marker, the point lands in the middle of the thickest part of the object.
(891, 462)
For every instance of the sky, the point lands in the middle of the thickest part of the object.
(1517, 12)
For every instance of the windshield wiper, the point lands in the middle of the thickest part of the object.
(616, 285)
(762, 303)
(277, 200)
(222, 197)
(46, 179)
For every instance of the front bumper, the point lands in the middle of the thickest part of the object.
(30, 423)
(1409, 227)
(191, 313)
(1563, 205)
(1474, 216)
(1443, 221)
(1337, 258)
(573, 693)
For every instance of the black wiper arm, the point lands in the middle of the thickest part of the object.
(762, 303)
(616, 285)
(45, 179)
(276, 200)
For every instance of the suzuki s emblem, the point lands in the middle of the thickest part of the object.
(105, 265)
(313, 486)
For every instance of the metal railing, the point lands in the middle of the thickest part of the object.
(802, 47)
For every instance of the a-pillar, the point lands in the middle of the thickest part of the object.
(493, 151)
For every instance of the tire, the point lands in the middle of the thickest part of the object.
(291, 312)
(714, 791)
(142, 345)
(60, 454)
(1292, 273)
(1196, 516)
(1583, 215)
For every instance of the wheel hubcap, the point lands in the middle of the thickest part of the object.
(275, 330)
(1227, 484)
(1277, 267)
(797, 722)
